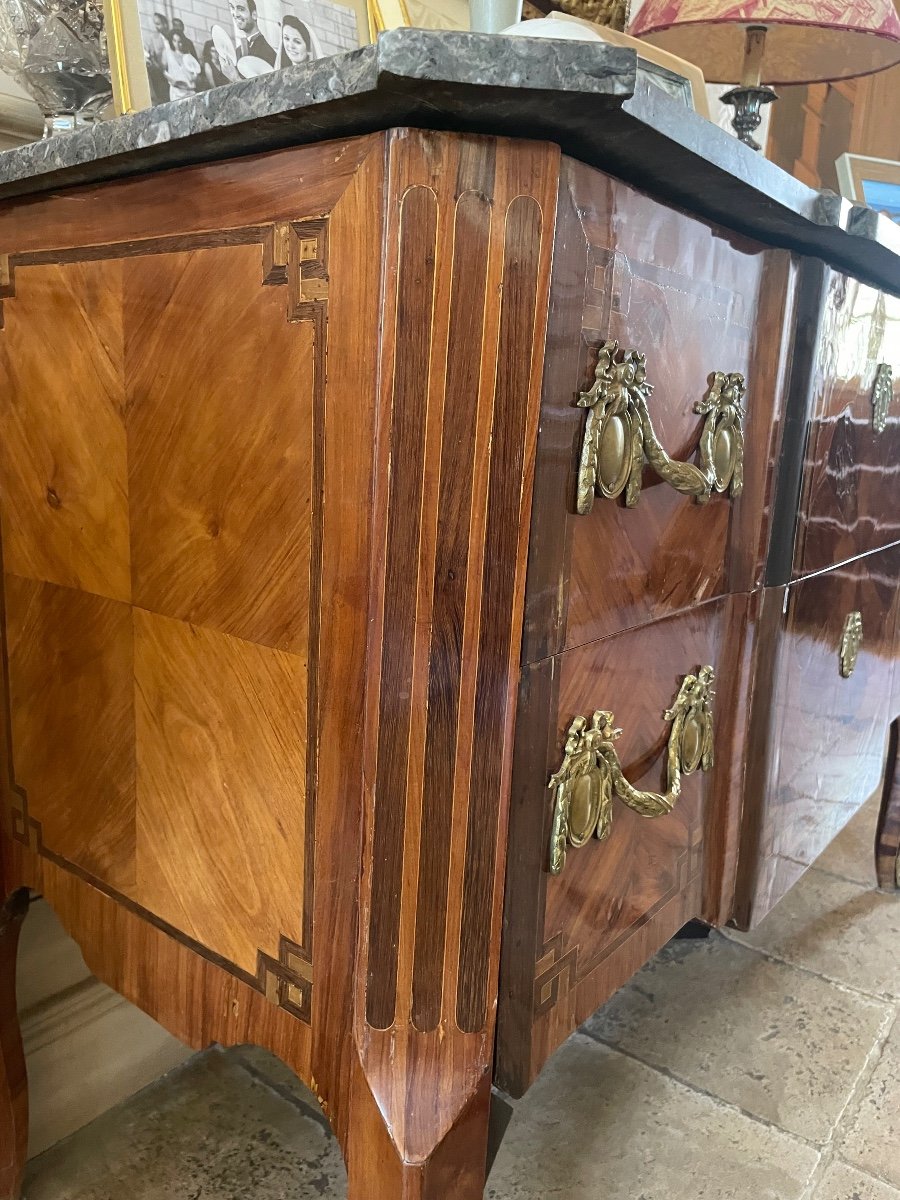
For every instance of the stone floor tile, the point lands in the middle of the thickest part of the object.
(838, 929)
(852, 853)
(871, 1139)
(843, 1182)
(778, 1042)
(600, 1126)
(273, 1071)
(208, 1129)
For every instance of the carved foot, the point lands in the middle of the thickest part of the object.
(13, 1080)
(457, 1167)
(887, 840)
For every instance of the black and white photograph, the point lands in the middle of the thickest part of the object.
(193, 45)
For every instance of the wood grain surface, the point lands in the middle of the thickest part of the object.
(821, 736)
(13, 1082)
(468, 219)
(851, 472)
(163, 502)
(887, 839)
(268, 644)
(214, 513)
(693, 302)
(617, 901)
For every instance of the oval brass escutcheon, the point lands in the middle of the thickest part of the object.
(583, 808)
(724, 457)
(691, 745)
(614, 454)
(590, 775)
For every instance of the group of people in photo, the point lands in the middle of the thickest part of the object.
(176, 68)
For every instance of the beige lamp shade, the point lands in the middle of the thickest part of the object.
(807, 41)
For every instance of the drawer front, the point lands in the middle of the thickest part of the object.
(852, 467)
(830, 710)
(614, 901)
(693, 302)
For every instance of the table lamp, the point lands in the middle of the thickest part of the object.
(783, 41)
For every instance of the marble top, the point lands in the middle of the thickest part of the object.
(582, 95)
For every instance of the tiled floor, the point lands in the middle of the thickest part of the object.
(763, 1066)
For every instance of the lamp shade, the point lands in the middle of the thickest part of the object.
(807, 41)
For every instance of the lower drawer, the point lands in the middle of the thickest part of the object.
(572, 938)
(819, 730)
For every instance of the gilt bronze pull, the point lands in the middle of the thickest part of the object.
(882, 395)
(591, 773)
(851, 640)
(619, 434)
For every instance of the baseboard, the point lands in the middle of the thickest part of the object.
(86, 1047)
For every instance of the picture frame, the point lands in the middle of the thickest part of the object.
(680, 79)
(871, 181)
(161, 50)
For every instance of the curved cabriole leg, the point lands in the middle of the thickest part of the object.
(13, 1080)
(887, 841)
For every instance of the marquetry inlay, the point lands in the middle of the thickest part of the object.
(161, 550)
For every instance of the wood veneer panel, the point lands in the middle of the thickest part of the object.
(478, 391)
(220, 429)
(519, 287)
(221, 776)
(218, 196)
(415, 289)
(221, 532)
(469, 281)
(828, 732)
(250, 790)
(694, 299)
(356, 231)
(71, 696)
(197, 1000)
(851, 472)
(887, 840)
(62, 433)
(618, 901)
(13, 1080)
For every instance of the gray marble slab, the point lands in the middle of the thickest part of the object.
(580, 95)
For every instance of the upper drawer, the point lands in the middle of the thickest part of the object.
(693, 301)
(852, 469)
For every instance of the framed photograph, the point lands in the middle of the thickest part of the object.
(681, 80)
(872, 181)
(181, 47)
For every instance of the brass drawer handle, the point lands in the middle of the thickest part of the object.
(851, 640)
(882, 395)
(591, 774)
(619, 434)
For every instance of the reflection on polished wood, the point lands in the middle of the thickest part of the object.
(617, 901)
(882, 396)
(629, 270)
(852, 467)
(822, 743)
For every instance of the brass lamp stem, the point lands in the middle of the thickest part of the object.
(749, 96)
(753, 55)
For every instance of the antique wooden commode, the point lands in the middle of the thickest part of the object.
(450, 541)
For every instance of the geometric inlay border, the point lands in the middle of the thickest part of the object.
(295, 254)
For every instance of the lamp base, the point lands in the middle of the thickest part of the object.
(748, 102)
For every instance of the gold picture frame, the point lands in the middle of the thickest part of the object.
(127, 38)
